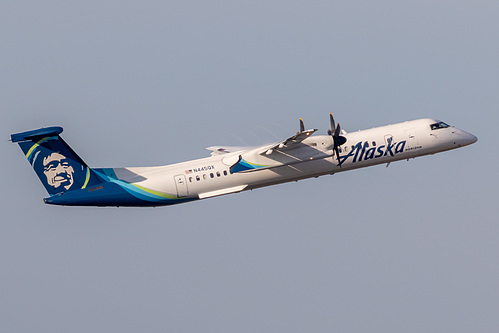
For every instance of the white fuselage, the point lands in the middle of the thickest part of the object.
(313, 157)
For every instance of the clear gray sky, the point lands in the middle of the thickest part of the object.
(409, 248)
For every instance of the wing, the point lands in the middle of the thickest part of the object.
(289, 143)
(287, 152)
(221, 150)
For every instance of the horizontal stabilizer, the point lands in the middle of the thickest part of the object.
(38, 133)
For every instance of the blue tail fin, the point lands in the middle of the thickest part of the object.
(55, 163)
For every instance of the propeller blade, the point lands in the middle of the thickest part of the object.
(331, 120)
(337, 130)
(338, 140)
(336, 150)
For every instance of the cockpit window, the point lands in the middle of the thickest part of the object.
(438, 125)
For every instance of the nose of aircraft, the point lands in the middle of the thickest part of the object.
(464, 138)
(472, 138)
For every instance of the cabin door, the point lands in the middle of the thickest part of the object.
(181, 185)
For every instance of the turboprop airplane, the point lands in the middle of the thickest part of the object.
(71, 182)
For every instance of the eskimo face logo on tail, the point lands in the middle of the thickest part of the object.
(59, 172)
(361, 151)
(57, 165)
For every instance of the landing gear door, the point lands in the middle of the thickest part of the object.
(181, 185)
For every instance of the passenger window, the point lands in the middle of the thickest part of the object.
(218, 173)
(190, 179)
(197, 178)
(212, 175)
(374, 143)
(225, 172)
(204, 176)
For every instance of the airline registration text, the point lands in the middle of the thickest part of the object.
(205, 168)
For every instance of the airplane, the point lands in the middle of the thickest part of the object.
(71, 182)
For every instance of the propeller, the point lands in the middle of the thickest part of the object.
(302, 126)
(338, 140)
